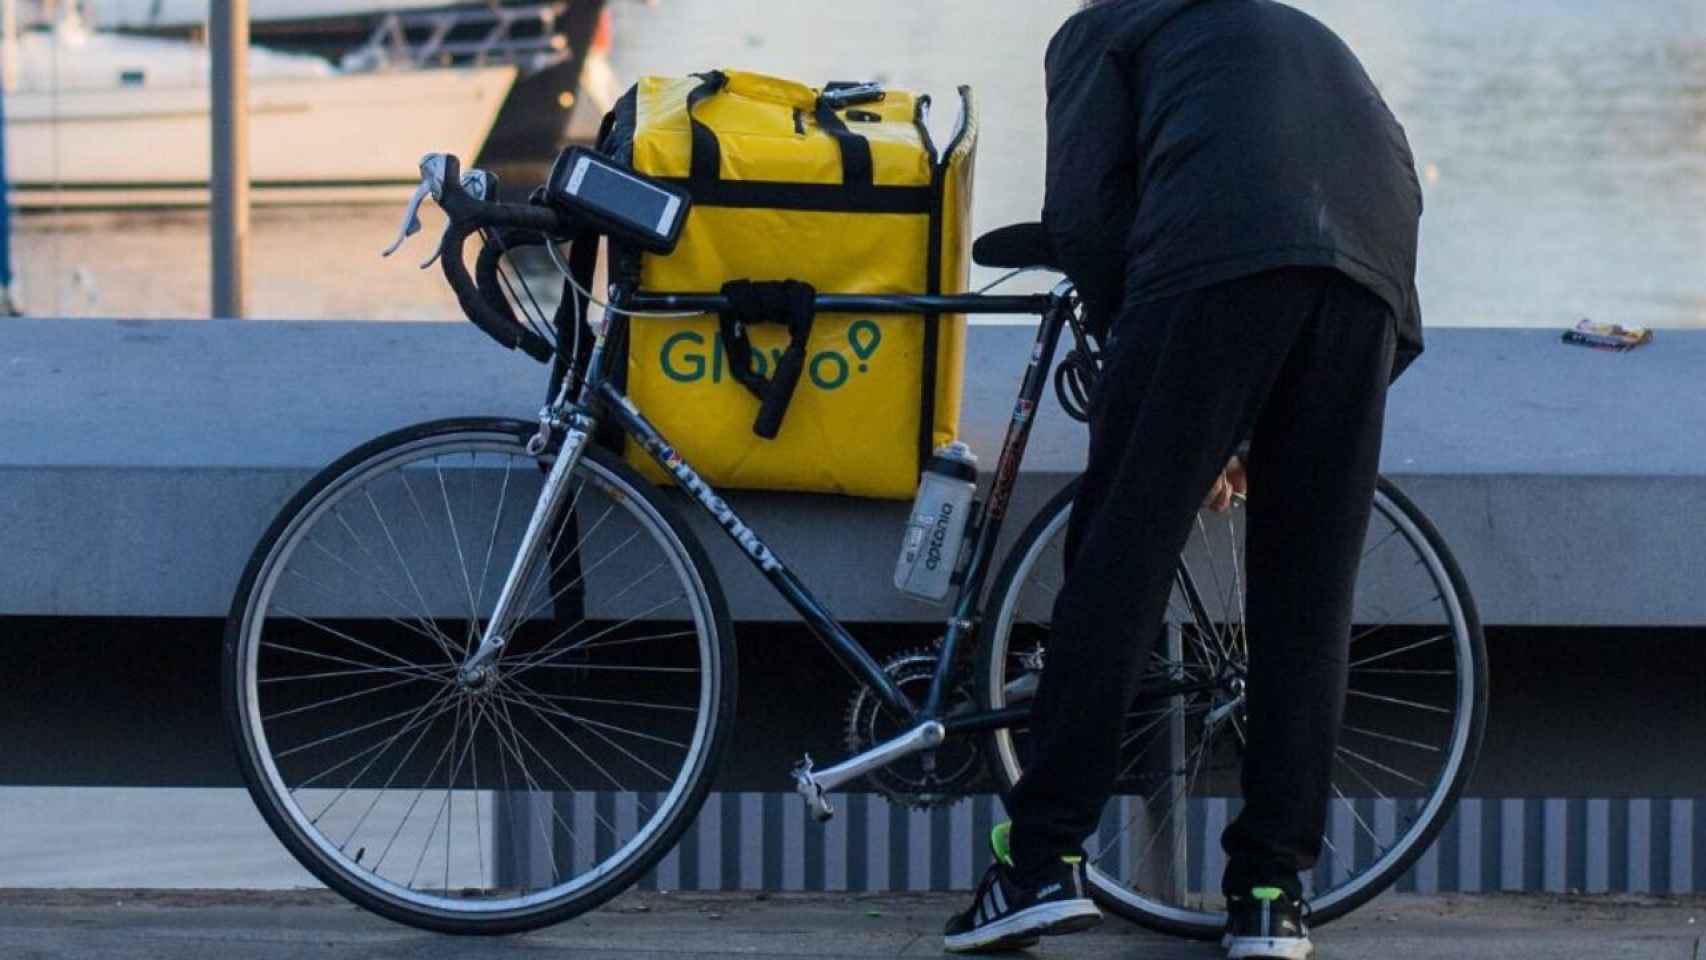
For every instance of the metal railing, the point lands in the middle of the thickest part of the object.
(418, 39)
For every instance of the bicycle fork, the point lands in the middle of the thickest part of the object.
(477, 669)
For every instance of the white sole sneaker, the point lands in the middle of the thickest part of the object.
(1043, 920)
(1268, 948)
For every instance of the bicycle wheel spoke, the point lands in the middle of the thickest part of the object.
(428, 673)
(507, 702)
(379, 794)
(332, 594)
(609, 600)
(1436, 598)
(515, 836)
(608, 667)
(1378, 766)
(456, 540)
(638, 704)
(497, 523)
(1399, 701)
(559, 712)
(1395, 531)
(1240, 633)
(629, 641)
(513, 746)
(366, 668)
(422, 614)
(1179, 799)
(533, 608)
(407, 664)
(1359, 664)
(1357, 818)
(410, 812)
(426, 527)
(329, 738)
(1205, 624)
(519, 699)
(340, 699)
(450, 650)
(376, 750)
(479, 822)
(438, 817)
(527, 607)
(582, 579)
(540, 658)
(1350, 728)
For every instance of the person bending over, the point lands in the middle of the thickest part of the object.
(1239, 210)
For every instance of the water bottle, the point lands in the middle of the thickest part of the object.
(937, 528)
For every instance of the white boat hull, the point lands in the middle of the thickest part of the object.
(342, 138)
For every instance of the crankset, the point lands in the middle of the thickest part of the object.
(923, 781)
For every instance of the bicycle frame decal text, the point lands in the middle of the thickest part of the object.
(719, 508)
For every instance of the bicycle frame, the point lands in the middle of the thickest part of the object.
(598, 398)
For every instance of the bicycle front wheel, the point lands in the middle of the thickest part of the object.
(501, 802)
(1414, 715)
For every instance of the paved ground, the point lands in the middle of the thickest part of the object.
(48, 925)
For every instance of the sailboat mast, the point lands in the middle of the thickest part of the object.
(8, 45)
(8, 82)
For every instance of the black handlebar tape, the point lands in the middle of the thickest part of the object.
(488, 275)
(498, 326)
(488, 281)
(780, 393)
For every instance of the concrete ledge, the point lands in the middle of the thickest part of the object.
(141, 460)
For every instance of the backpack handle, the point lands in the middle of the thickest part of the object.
(857, 167)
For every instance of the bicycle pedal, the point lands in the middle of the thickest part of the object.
(817, 801)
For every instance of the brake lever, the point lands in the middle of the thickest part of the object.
(481, 185)
(411, 220)
(432, 168)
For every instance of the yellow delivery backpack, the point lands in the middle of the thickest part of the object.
(788, 185)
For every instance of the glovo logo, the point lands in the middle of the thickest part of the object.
(691, 357)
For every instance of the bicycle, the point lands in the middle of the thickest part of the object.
(403, 649)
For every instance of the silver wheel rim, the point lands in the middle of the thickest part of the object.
(1399, 529)
(646, 826)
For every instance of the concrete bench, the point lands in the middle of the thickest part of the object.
(141, 460)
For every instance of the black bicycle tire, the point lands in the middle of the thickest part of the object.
(551, 912)
(985, 665)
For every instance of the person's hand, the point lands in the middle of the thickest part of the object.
(1232, 482)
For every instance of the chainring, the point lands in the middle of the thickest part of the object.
(924, 781)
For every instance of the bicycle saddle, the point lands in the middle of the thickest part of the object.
(1015, 247)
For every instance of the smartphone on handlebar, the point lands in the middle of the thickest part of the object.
(629, 206)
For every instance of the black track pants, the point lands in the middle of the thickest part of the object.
(1299, 361)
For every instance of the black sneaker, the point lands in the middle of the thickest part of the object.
(1267, 925)
(1006, 914)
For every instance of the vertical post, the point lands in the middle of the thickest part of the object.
(6, 307)
(9, 44)
(228, 40)
(8, 80)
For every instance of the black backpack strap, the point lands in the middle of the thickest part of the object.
(707, 151)
(789, 302)
(857, 168)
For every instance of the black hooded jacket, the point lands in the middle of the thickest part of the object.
(1192, 142)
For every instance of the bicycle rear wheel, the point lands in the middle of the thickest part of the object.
(516, 799)
(1413, 719)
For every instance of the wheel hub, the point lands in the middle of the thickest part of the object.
(479, 680)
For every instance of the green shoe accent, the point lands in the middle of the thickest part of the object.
(1075, 861)
(1267, 894)
(1001, 842)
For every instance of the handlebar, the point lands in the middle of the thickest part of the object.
(482, 299)
(483, 302)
